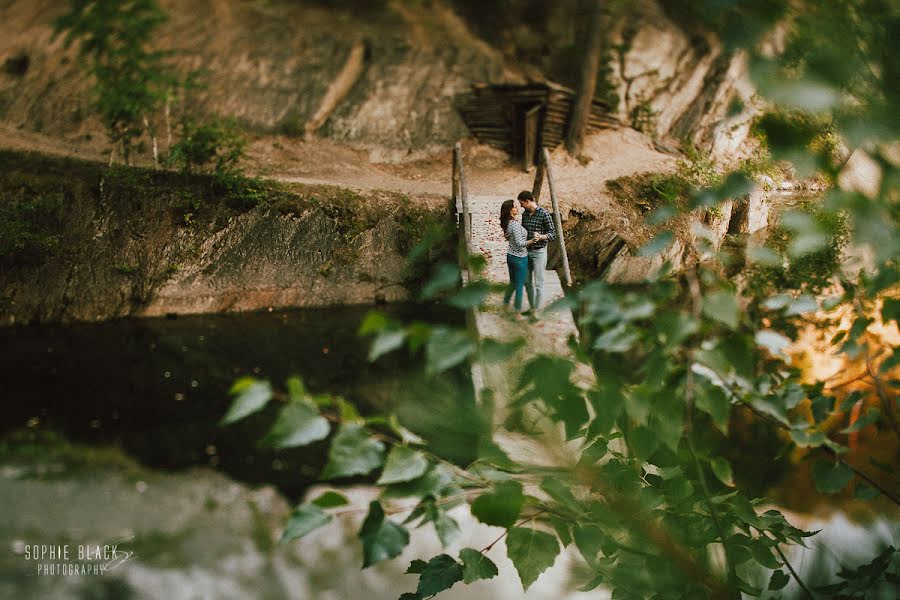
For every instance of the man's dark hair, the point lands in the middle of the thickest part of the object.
(526, 195)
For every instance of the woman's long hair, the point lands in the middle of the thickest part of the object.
(505, 216)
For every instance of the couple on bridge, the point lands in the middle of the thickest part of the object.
(526, 256)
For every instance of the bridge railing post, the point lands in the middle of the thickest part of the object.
(460, 176)
(539, 178)
(557, 216)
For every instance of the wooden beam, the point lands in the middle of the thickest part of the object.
(557, 218)
(464, 196)
(587, 82)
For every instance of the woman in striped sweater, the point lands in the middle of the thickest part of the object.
(516, 254)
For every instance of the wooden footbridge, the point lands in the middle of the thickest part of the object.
(478, 218)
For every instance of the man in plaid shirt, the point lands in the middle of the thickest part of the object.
(539, 225)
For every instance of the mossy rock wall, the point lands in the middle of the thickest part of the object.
(80, 241)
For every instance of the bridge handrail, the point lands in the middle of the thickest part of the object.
(461, 192)
(544, 167)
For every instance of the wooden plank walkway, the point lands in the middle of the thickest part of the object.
(548, 334)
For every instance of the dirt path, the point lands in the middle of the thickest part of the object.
(614, 153)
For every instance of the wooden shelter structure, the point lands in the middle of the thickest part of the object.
(524, 118)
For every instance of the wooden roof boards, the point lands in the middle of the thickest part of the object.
(494, 113)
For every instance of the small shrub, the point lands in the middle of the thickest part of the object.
(213, 146)
(653, 190)
(761, 163)
(642, 116)
(29, 228)
(699, 168)
(810, 273)
(185, 207)
(780, 131)
(241, 193)
(125, 269)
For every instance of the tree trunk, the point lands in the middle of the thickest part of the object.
(153, 142)
(587, 82)
(168, 114)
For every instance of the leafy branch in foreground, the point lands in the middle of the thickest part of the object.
(640, 478)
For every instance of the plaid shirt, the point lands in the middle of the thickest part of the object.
(539, 221)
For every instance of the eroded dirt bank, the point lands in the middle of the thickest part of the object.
(82, 242)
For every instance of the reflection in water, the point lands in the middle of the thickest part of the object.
(157, 387)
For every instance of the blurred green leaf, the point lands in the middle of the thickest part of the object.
(470, 296)
(382, 539)
(644, 442)
(403, 464)
(639, 403)
(659, 243)
(331, 499)
(872, 416)
(416, 567)
(439, 574)
(890, 310)
(762, 554)
(387, 340)
(831, 477)
(445, 277)
(476, 262)
(773, 341)
(778, 302)
(608, 405)
(590, 541)
(493, 351)
(532, 552)
(778, 580)
(744, 510)
(618, 339)
(673, 328)
(476, 566)
(722, 306)
(435, 479)
(805, 437)
(863, 491)
(447, 348)
(763, 256)
(346, 410)
(802, 305)
(299, 424)
(352, 452)
(721, 468)
(406, 436)
(303, 520)
(373, 322)
(252, 395)
(562, 494)
(661, 215)
(500, 506)
(445, 526)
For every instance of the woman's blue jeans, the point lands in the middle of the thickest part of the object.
(518, 268)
